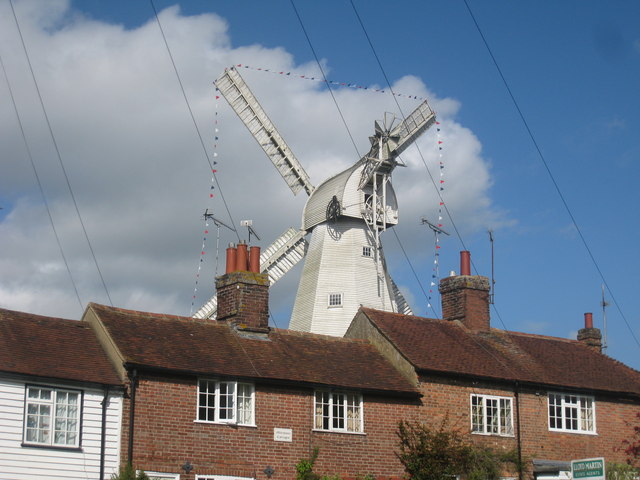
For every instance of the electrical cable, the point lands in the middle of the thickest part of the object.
(548, 169)
(35, 173)
(335, 101)
(193, 118)
(417, 147)
(59, 156)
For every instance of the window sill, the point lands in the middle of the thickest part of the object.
(575, 432)
(51, 447)
(504, 435)
(229, 424)
(342, 432)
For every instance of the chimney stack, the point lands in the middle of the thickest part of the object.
(465, 297)
(243, 292)
(592, 337)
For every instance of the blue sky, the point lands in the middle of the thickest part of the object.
(141, 183)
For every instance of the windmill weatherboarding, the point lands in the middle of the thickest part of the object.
(345, 215)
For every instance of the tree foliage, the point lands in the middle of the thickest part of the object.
(631, 446)
(621, 471)
(441, 453)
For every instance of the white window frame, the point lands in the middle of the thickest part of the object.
(225, 401)
(44, 416)
(161, 476)
(331, 411)
(575, 413)
(367, 251)
(491, 415)
(335, 300)
(222, 477)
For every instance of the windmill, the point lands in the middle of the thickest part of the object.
(344, 265)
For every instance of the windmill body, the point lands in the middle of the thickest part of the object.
(343, 268)
(344, 263)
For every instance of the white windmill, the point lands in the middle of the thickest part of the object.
(344, 266)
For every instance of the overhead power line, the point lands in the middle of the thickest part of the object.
(193, 118)
(35, 173)
(550, 174)
(58, 155)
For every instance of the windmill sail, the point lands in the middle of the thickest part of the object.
(242, 101)
(412, 127)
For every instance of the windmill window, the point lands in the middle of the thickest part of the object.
(338, 411)
(571, 413)
(335, 300)
(226, 402)
(366, 251)
(491, 415)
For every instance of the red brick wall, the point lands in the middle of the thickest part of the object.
(451, 398)
(166, 435)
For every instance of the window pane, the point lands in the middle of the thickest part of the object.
(354, 419)
(227, 401)
(245, 404)
(338, 411)
(477, 414)
(506, 428)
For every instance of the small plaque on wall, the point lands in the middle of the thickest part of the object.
(283, 435)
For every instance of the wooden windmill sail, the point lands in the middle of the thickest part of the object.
(344, 265)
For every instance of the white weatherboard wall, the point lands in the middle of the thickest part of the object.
(26, 463)
(335, 264)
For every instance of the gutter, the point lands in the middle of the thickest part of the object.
(516, 392)
(404, 393)
(103, 431)
(132, 411)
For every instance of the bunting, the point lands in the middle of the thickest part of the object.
(435, 273)
(211, 196)
(353, 85)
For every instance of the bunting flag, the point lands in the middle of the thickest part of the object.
(353, 85)
(435, 273)
(211, 196)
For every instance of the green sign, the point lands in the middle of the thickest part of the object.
(589, 468)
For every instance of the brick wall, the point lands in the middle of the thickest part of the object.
(166, 434)
(450, 398)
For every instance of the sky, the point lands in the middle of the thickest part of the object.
(125, 143)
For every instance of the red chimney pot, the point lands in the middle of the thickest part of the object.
(588, 320)
(465, 262)
(254, 259)
(241, 259)
(231, 258)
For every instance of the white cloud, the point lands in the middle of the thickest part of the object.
(138, 171)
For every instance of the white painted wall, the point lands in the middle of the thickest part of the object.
(335, 264)
(26, 463)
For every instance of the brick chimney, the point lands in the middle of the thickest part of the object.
(243, 292)
(590, 336)
(465, 297)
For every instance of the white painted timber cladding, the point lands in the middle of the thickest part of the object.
(335, 264)
(345, 187)
(26, 463)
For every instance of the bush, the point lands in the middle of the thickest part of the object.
(127, 472)
(443, 453)
(621, 471)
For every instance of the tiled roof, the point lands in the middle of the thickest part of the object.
(449, 348)
(204, 347)
(53, 348)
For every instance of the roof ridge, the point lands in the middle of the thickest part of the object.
(140, 313)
